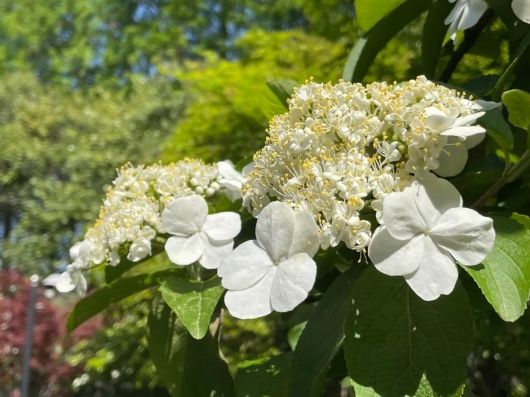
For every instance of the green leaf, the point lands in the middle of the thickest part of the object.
(149, 264)
(503, 10)
(504, 276)
(434, 30)
(186, 366)
(369, 12)
(367, 47)
(518, 104)
(322, 337)
(112, 293)
(497, 127)
(283, 89)
(265, 377)
(394, 339)
(193, 301)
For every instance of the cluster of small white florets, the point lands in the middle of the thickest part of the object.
(129, 218)
(342, 146)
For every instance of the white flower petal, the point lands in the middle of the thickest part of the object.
(82, 285)
(395, 257)
(437, 119)
(184, 215)
(401, 215)
(305, 234)
(473, 140)
(245, 266)
(434, 196)
(464, 131)
(65, 283)
(184, 250)
(521, 9)
(294, 279)
(274, 229)
(452, 160)
(214, 254)
(466, 234)
(473, 10)
(139, 250)
(252, 302)
(436, 275)
(227, 170)
(469, 119)
(222, 226)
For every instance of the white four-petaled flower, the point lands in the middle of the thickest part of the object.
(197, 236)
(425, 231)
(276, 271)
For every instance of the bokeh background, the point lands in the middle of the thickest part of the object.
(86, 86)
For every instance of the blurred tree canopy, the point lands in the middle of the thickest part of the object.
(58, 151)
(87, 42)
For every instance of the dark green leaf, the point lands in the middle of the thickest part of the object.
(367, 47)
(518, 104)
(503, 10)
(369, 12)
(504, 277)
(283, 89)
(322, 337)
(394, 339)
(186, 366)
(434, 30)
(193, 301)
(112, 293)
(114, 272)
(493, 121)
(266, 377)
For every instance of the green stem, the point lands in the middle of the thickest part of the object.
(507, 176)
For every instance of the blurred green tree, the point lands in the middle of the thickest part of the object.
(58, 151)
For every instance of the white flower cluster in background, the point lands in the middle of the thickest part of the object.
(341, 147)
(130, 217)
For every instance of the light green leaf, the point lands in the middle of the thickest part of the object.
(497, 127)
(112, 293)
(321, 338)
(394, 339)
(282, 89)
(504, 276)
(367, 47)
(265, 377)
(369, 12)
(193, 301)
(186, 366)
(518, 104)
(432, 38)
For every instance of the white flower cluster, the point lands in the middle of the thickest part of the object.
(342, 146)
(130, 216)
